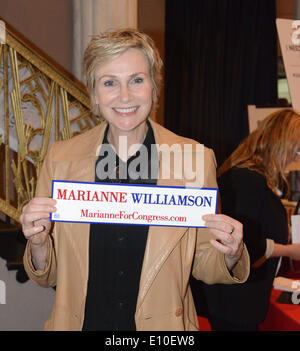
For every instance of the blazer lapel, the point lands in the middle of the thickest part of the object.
(80, 165)
(160, 242)
(80, 170)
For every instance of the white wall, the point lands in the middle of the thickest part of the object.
(27, 306)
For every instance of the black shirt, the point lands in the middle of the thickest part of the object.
(116, 251)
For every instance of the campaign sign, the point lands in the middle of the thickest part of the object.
(289, 38)
(132, 204)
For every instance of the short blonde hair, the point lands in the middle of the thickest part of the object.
(106, 46)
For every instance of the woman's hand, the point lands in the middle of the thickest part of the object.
(36, 226)
(229, 236)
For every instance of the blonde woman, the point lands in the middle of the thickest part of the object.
(250, 181)
(125, 277)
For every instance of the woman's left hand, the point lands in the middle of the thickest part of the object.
(229, 236)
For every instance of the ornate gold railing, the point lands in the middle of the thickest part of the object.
(39, 104)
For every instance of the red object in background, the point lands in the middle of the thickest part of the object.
(204, 324)
(280, 316)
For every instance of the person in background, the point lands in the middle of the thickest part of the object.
(250, 181)
(125, 277)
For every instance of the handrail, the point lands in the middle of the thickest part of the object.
(46, 64)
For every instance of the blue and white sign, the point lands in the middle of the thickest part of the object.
(132, 204)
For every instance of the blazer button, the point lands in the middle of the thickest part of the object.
(178, 312)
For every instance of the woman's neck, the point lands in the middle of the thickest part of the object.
(127, 144)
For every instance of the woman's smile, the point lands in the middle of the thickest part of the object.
(126, 112)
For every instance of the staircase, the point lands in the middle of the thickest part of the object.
(39, 103)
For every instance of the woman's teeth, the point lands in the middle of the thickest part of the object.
(126, 110)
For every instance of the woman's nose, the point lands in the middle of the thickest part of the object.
(124, 93)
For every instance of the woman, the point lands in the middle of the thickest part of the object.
(124, 277)
(250, 181)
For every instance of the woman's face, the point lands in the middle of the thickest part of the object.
(123, 90)
(293, 157)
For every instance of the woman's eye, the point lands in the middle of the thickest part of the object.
(138, 80)
(109, 83)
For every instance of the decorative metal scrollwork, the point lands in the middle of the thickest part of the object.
(38, 105)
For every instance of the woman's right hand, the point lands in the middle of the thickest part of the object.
(36, 226)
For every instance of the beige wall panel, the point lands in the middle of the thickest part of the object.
(151, 20)
(48, 24)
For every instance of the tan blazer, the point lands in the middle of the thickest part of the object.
(164, 300)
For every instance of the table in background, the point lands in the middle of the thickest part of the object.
(280, 316)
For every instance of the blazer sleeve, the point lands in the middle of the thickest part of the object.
(46, 277)
(209, 263)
